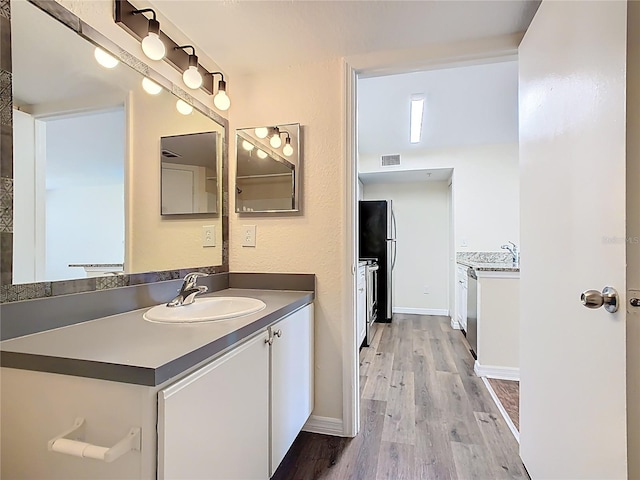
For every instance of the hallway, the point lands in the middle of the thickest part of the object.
(424, 415)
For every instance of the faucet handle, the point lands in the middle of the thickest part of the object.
(193, 276)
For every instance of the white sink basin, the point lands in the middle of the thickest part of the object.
(205, 310)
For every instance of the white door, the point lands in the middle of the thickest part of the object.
(572, 160)
(178, 193)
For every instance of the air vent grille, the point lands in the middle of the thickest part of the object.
(169, 154)
(389, 160)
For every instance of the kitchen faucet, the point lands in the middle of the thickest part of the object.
(513, 249)
(189, 290)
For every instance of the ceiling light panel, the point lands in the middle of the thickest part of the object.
(417, 114)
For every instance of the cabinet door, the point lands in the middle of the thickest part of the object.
(459, 296)
(291, 380)
(463, 301)
(214, 424)
(361, 306)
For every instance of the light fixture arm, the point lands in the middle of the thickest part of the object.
(183, 47)
(154, 24)
(145, 10)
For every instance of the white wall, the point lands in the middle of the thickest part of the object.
(313, 242)
(100, 240)
(422, 219)
(485, 190)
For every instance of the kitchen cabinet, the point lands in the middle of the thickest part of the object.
(461, 296)
(215, 422)
(361, 304)
(291, 381)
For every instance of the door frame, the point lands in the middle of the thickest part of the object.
(491, 50)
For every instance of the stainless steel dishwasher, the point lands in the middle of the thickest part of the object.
(472, 311)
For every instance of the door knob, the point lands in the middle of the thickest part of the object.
(594, 299)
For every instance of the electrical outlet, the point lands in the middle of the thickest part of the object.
(208, 235)
(248, 235)
(425, 289)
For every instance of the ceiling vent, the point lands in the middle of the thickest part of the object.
(390, 160)
(169, 154)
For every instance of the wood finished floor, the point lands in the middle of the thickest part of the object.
(508, 392)
(424, 415)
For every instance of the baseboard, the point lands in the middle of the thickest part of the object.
(455, 324)
(502, 410)
(422, 311)
(502, 373)
(324, 425)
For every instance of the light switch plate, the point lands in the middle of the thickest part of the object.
(248, 235)
(208, 235)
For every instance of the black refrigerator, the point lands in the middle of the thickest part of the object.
(377, 240)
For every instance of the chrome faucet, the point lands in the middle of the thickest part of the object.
(513, 249)
(189, 290)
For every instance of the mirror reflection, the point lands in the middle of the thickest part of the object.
(87, 180)
(268, 169)
(189, 173)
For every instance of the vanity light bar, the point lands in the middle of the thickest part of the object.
(138, 26)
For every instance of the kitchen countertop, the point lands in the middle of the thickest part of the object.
(490, 266)
(126, 348)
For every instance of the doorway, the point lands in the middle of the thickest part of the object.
(69, 171)
(458, 152)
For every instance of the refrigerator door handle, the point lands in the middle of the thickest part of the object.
(395, 227)
(394, 250)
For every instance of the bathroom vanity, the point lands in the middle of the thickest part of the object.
(220, 399)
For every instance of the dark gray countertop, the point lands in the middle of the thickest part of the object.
(126, 348)
(490, 266)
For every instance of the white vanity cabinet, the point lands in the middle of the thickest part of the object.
(461, 295)
(361, 304)
(234, 417)
(214, 424)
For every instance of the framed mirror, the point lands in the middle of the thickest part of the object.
(81, 176)
(268, 170)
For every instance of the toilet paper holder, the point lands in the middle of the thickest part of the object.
(71, 442)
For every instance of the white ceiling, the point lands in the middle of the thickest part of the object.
(249, 36)
(464, 106)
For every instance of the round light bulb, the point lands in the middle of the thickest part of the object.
(192, 77)
(287, 150)
(262, 154)
(275, 141)
(262, 132)
(221, 100)
(153, 47)
(183, 107)
(151, 87)
(248, 146)
(104, 59)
